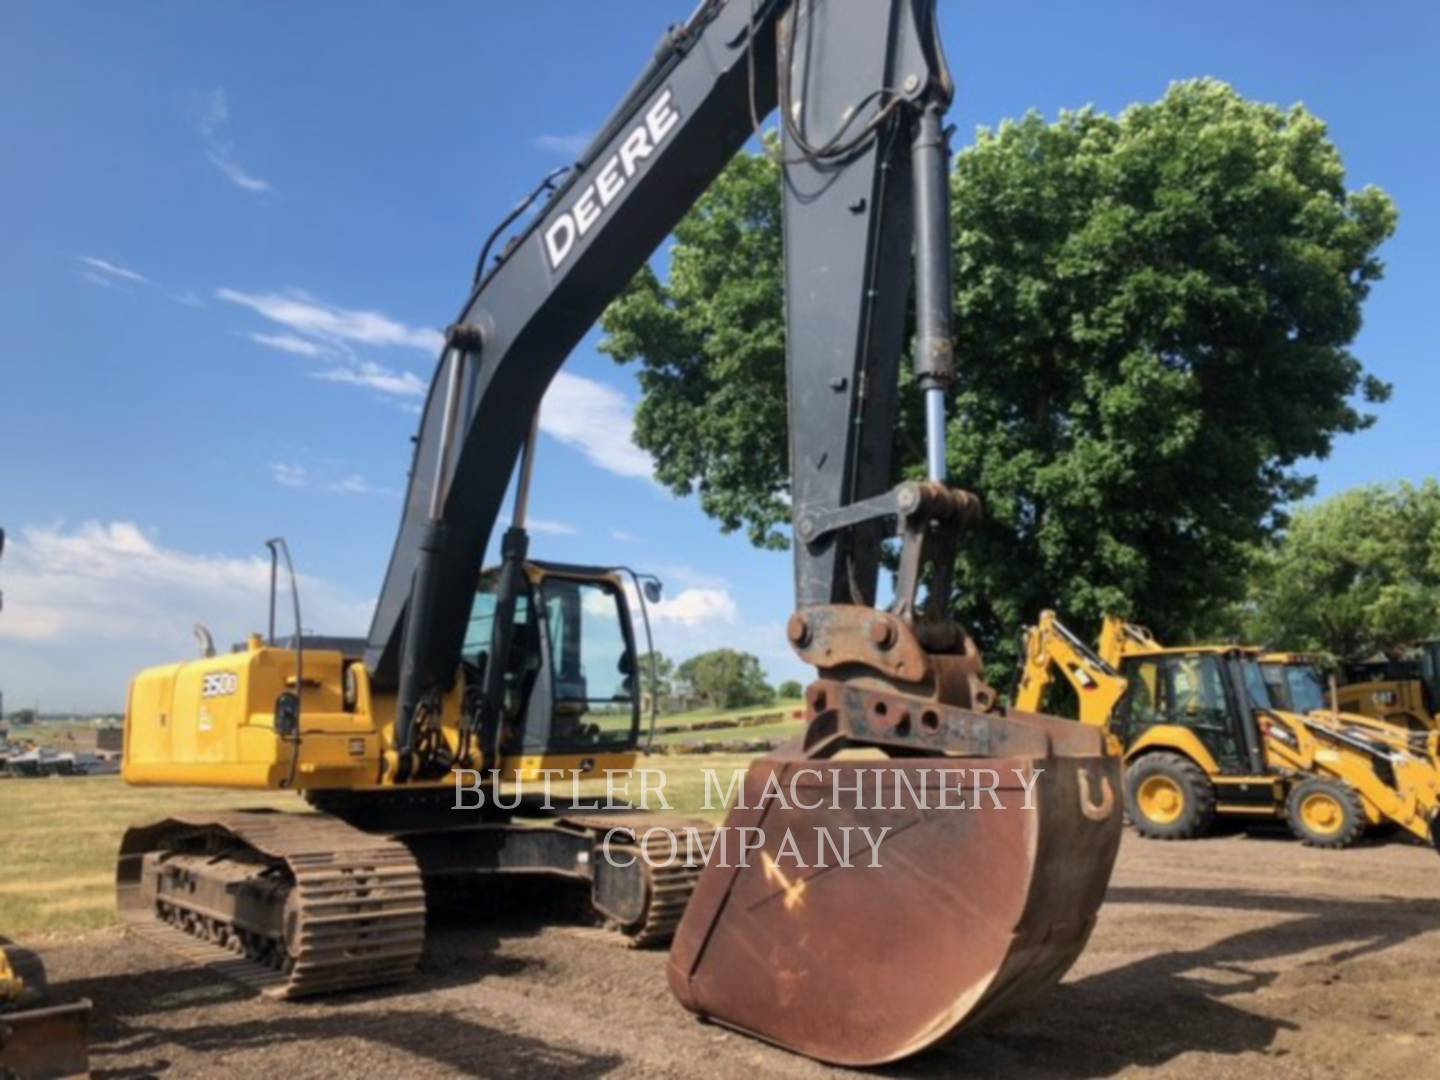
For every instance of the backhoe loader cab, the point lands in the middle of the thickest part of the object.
(1188, 721)
(1297, 682)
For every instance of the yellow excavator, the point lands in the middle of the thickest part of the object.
(472, 686)
(1205, 734)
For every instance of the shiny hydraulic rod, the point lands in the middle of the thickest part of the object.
(934, 350)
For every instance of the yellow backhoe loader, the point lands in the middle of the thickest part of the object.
(1404, 689)
(470, 684)
(1204, 735)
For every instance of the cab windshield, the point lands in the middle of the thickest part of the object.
(1305, 688)
(1256, 688)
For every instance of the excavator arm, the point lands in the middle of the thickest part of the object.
(862, 88)
(873, 86)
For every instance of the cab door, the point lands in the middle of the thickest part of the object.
(1187, 690)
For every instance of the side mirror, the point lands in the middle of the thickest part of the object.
(652, 590)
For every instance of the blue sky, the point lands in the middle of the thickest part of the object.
(228, 233)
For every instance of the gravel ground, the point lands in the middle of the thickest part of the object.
(1238, 956)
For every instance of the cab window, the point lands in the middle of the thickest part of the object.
(1306, 688)
(591, 659)
(525, 655)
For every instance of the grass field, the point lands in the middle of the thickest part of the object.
(783, 730)
(59, 836)
(698, 716)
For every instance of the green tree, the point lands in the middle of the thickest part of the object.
(1353, 575)
(657, 676)
(789, 690)
(726, 679)
(1153, 319)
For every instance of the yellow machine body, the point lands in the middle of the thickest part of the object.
(1387, 774)
(211, 722)
(1403, 689)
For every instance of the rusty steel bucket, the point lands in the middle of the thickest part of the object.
(961, 914)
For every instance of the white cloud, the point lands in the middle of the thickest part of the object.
(688, 576)
(550, 528)
(355, 484)
(594, 418)
(565, 145)
(376, 377)
(289, 475)
(235, 174)
(623, 536)
(302, 313)
(296, 346)
(696, 607)
(97, 279)
(106, 599)
(221, 152)
(112, 270)
(597, 420)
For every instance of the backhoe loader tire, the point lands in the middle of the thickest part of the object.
(1169, 797)
(1325, 813)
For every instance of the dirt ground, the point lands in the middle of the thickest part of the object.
(1238, 956)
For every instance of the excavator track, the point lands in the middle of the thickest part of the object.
(671, 868)
(290, 905)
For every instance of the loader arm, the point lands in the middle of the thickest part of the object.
(1050, 646)
(1119, 637)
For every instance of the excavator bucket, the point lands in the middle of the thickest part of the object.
(1000, 835)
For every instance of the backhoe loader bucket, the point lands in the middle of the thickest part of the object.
(1002, 832)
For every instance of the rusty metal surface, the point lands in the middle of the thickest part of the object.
(45, 1043)
(968, 907)
(969, 912)
(865, 647)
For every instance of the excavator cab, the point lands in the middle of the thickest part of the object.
(571, 678)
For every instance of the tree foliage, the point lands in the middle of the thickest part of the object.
(1355, 574)
(789, 690)
(1153, 319)
(726, 679)
(657, 674)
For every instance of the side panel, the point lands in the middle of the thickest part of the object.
(211, 723)
(1177, 739)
